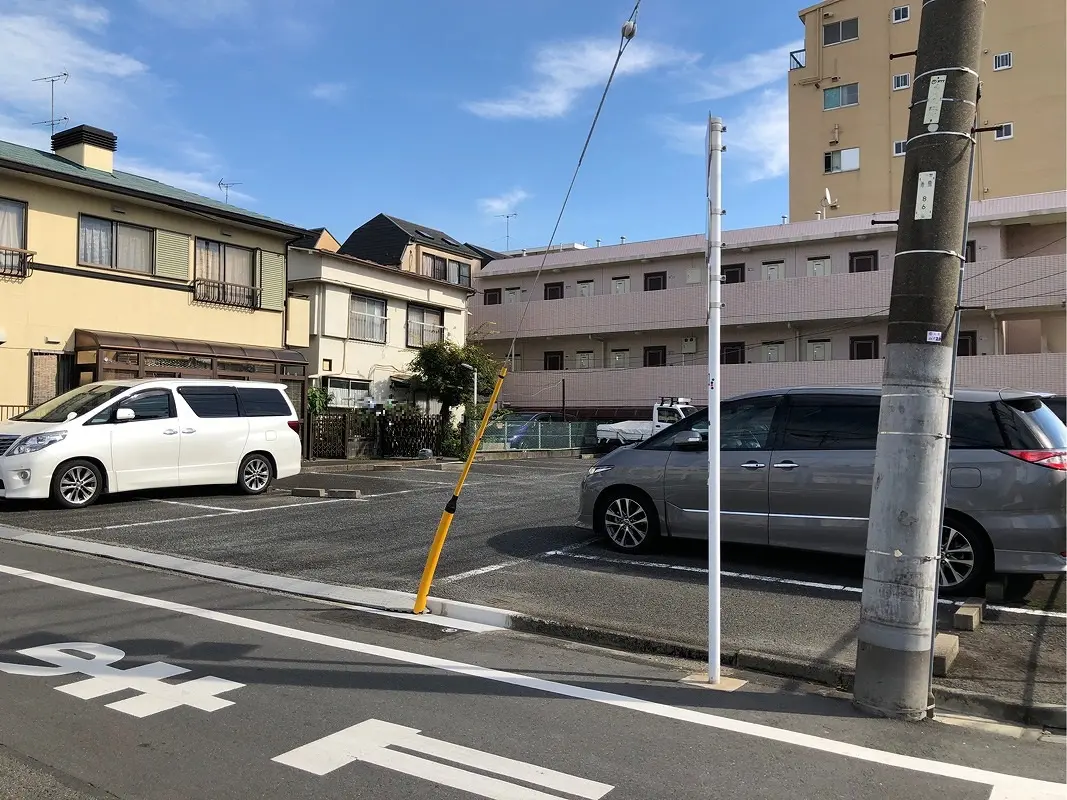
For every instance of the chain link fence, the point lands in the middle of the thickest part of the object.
(532, 435)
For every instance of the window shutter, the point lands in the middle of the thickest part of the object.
(172, 255)
(272, 280)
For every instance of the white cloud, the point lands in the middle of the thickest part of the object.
(330, 92)
(502, 204)
(749, 72)
(757, 136)
(564, 70)
(91, 17)
(190, 180)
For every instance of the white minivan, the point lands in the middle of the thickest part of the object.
(122, 436)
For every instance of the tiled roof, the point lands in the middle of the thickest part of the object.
(384, 238)
(982, 211)
(27, 159)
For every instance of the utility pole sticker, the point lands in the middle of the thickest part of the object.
(924, 195)
(95, 660)
(934, 97)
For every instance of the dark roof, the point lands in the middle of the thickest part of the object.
(383, 239)
(486, 254)
(38, 162)
(310, 240)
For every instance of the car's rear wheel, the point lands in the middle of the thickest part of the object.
(255, 474)
(77, 484)
(629, 520)
(966, 557)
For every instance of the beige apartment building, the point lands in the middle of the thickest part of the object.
(848, 103)
(805, 303)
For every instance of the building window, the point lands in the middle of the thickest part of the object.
(620, 285)
(459, 273)
(554, 291)
(818, 266)
(655, 357)
(901, 81)
(1002, 61)
(773, 270)
(968, 343)
(1005, 130)
(620, 359)
(345, 393)
(846, 160)
(842, 31)
(435, 267)
(512, 295)
(732, 353)
(900, 147)
(863, 348)
(13, 256)
(554, 360)
(970, 252)
(901, 14)
(818, 349)
(491, 297)
(366, 319)
(583, 359)
(585, 288)
(655, 281)
(866, 261)
(425, 326)
(225, 275)
(103, 243)
(773, 352)
(840, 96)
(733, 273)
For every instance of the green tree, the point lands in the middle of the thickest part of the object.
(438, 370)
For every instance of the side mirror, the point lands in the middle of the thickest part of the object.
(689, 440)
(124, 415)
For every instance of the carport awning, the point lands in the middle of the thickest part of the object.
(400, 381)
(94, 340)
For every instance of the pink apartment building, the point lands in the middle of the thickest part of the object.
(617, 327)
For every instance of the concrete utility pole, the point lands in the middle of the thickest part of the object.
(893, 664)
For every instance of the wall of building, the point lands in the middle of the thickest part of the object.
(1034, 240)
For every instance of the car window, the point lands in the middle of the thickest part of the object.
(258, 402)
(823, 422)
(975, 426)
(1058, 405)
(669, 415)
(746, 424)
(150, 405)
(211, 402)
(1029, 424)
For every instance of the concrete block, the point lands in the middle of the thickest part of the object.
(994, 591)
(969, 615)
(349, 494)
(725, 684)
(946, 648)
(305, 492)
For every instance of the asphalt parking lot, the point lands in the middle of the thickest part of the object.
(513, 545)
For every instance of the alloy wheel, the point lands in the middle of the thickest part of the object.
(626, 522)
(957, 558)
(256, 474)
(78, 485)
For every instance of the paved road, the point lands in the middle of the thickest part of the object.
(283, 698)
(512, 545)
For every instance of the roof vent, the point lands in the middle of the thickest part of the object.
(86, 146)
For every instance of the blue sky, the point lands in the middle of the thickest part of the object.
(448, 113)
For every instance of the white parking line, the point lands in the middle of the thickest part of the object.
(229, 513)
(459, 576)
(833, 587)
(1003, 786)
(182, 503)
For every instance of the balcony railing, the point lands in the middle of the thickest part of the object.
(798, 59)
(420, 334)
(15, 262)
(238, 295)
(367, 327)
(9, 411)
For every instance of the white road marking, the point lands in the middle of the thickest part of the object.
(471, 573)
(371, 742)
(230, 513)
(190, 505)
(1010, 787)
(835, 587)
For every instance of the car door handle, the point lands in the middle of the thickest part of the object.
(752, 465)
(170, 431)
(188, 430)
(786, 465)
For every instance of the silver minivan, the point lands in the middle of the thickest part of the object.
(797, 468)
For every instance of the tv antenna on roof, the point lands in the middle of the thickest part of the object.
(507, 228)
(52, 121)
(225, 187)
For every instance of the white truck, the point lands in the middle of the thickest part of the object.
(667, 411)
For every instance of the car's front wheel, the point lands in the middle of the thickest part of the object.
(77, 484)
(966, 557)
(255, 474)
(629, 520)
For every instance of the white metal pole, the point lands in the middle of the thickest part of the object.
(714, 162)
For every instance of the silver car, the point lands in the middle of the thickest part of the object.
(797, 467)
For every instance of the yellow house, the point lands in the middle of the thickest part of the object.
(105, 274)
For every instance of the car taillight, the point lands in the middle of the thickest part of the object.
(295, 425)
(1053, 459)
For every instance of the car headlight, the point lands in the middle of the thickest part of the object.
(39, 441)
(596, 469)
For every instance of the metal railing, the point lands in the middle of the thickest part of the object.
(226, 294)
(798, 59)
(15, 262)
(420, 334)
(518, 435)
(7, 412)
(367, 327)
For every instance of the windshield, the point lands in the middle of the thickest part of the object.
(77, 402)
(688, 411)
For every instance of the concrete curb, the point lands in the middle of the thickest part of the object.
(369, 466)
(520, 455)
